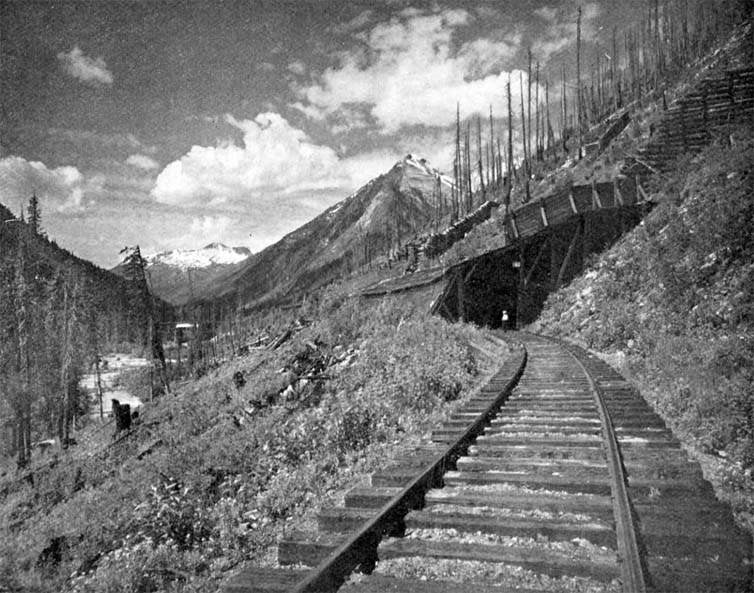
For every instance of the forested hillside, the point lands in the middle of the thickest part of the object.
(58, 313)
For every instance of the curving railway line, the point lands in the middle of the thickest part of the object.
(557, 476)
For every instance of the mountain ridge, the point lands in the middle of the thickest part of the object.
(211, 254)
(368, 226)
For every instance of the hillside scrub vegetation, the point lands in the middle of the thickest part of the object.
(672, 305)
(212, 475)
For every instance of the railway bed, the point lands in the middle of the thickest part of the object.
(557, 476)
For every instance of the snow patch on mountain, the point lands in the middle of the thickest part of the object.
(424, 167)
(212, 254)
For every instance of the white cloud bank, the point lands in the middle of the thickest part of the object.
(142, 161)
(409, 72)
(60, 189)
(91, 71)
(275, 162)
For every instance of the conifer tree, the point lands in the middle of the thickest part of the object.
(135, 271)
(34, 215)
(22, 316)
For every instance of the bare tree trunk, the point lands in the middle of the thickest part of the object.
(479, 153)
(492, 166)
(467, 147)
(578, 77)
(509, 185)
(564, 123)
(457, 167)
(99, 386)
(538, 144)
(528, 100)
(526, 163)
(550, 139)
(23, 405)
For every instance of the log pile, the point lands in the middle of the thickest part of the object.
(689, 122)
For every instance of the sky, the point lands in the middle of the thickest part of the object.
(173, 124)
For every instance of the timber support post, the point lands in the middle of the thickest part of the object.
(460, 296)
(616, 190)
(569, 255)
(596, 202)
(519, 292)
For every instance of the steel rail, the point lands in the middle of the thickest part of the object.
(633, 577)
(361, 546)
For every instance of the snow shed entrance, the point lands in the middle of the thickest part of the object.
(518, 278)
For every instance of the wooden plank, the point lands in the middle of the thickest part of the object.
(582, 196)
(577, 484)
(640, 191)
(598, 532)
(259, 580)
(617, 192)
(573, 202)
(375, 583)
(596, 202)
(529, 220)
(606, 194)
(556, 564)
(558, 208)
(543, 213)
(342, 519)
(514, 226)
(599, 506)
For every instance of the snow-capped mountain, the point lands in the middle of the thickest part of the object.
(181, 275)
(212, 254)
(366, 226)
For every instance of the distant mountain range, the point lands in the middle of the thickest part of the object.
(367, 226)
(177, 276)
(212, 254)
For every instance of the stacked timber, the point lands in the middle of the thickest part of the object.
(438, 243)
(689, 122)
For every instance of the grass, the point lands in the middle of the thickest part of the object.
(211, 476)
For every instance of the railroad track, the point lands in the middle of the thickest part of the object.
(556, 477)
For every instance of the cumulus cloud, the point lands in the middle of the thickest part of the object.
(297, 67)
(206, 229)
(142, 161)
(91, 71)
(60, 189)
(274, 160)
(409, 72)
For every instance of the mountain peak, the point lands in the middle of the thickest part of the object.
(416, 168)
(213, 254)
(216, 245)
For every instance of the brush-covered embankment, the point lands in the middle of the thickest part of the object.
(212, 476)
(672, 306)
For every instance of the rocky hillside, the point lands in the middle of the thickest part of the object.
(672, 306)
(177, 275)
(366, 227)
